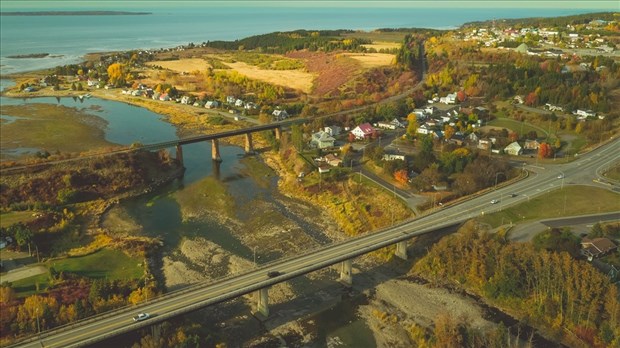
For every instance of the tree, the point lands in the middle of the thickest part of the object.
(545, 150)
(412, 127)
(401, 176)
(116, 74)
(23, 235)
(448, 132)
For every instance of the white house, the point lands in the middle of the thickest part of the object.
(386, 125)
(231, 99)
(585, 113)
(397, 123)
(363, 131)
(449, 99)
(332, 130)
(280, 114)
(513, 149)
(211, 104)
(424, 129)
(322, 140)
(239, 102)
(185, 99)
(393, 157)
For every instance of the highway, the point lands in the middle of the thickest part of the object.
(583, 169)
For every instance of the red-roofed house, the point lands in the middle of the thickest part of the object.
(363, 131)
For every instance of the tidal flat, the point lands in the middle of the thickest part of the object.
(52, 128)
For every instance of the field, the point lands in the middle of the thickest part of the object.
(371, 60)
(519, 127)
(182, 65)
(295, 79)
(379, 45)
(570, 201)
(8, 219)
(106, 263)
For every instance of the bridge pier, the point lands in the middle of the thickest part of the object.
(346, 275)
(215, 150)
(249, 149)
(401, 250)
(180, 155)
(278, 131)
(262, 305)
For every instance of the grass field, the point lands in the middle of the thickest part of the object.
(519, 127)
(569, 201)
(106, 263)
(371, 60)
(8, 219)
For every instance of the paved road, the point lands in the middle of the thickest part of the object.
(579, 224)
(201, 295)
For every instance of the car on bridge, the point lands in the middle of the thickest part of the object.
(494, 201)
(141, 316)
(273, 274)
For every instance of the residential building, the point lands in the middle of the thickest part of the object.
(280, 115)
(513, 149)
(597, 247)
(363, 131)
(322, 140)
(332, 130)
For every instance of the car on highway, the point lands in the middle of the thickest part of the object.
(494, 201)
(513, 195)
(273, 274)
(561, 176)
(141, 316)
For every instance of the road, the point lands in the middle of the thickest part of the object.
(200, 295)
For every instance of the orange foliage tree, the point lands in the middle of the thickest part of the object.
(401, 176)
(545, 150)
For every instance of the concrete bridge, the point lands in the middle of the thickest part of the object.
(214, 138)
(341, 255)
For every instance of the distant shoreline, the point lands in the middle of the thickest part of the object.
(73, 13)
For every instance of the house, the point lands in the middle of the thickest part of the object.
(231, 99)
(363, 131)
(597, 247)
(332, 130)
(392, 156)
(323, 168)
(457, 139)
(212, 104)
(185, 99)
(239, 102)
(424, 129)
(164, 97)
(92, 83)
(280, 115)
(484, 144)
(398, 123)
(437, 134)
(386, 125)
(582, 114)
(473, 137)
(333, 160)
(322, 140)
(250, 106)
(449, 99)
(513, 149)
(531, 144)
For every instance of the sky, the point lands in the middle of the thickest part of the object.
(142, 5)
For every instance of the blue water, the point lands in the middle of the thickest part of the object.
(68, 38)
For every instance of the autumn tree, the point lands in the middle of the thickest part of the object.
(401, 176)
(545, 151)
(412, 126)
(116, 74)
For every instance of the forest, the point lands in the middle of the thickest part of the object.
(567, 299)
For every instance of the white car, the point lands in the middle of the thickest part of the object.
(141, 316)
(561, 176)
(494, 201)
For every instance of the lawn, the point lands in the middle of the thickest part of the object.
(569, 201)
(106, 263)
(519, 127)
(8, 219)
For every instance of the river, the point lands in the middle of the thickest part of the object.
(159, 213)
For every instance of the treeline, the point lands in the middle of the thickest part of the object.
(282, 42)
(569, 299)
(562, 21)
(411, 53)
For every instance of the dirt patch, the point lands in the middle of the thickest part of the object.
(182, 65)
(295, 79)
(372, 60)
